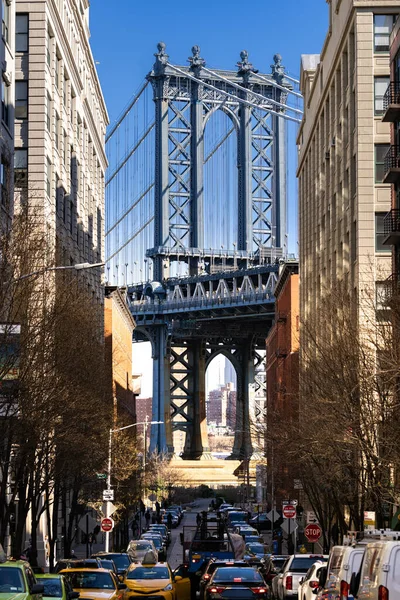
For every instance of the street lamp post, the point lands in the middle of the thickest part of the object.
(77, 267)
(145, 423)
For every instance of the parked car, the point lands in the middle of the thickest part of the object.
(233, 583)
(56, 586)
(137, 549)
(158, 542)
(380, 572)
(212, 566)
(262, 523)
(294, 570)
(342, 563)
(310, 582)
(94, 584)
(17, 580)
(121, 559)
(163, 530)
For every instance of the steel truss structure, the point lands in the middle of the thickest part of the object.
(225, 303)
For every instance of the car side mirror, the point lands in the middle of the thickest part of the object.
(178, 577)
(316, 590)
(323, 573)
(122, 586)
(37, 588)
(121, 578)
(301, 580)
(73, 595)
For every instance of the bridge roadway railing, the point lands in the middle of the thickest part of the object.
(166, 306)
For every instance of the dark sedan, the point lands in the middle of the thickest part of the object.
(237, 584)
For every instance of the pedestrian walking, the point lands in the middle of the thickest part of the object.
(158, 508)
(169, 521)
(153, 518)
(147, 516)
(198, 519)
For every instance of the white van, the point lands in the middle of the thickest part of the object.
(342, 563)
(380, 572)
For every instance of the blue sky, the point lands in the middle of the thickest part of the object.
(125, 34)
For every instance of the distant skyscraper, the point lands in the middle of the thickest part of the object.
(230, 373)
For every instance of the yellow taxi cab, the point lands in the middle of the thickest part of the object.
(156, 581)
(95, 584)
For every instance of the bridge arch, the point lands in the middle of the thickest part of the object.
(220, 134)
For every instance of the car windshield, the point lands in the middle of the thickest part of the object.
(238, 517)
(11, 580)
(121, 560)
(52, 587)
(149, 573)
(82, 580)
(235, 575)
(107, 564)
(140, 545)
(256, 548)
(301, 565)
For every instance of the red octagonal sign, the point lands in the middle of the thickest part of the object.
(313, 532)
(107, 524)
(289, 511)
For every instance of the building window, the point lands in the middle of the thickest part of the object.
(57, 132)
(65, 93)
(379, 234)
(4, 181)
(5, 25)
(5, 102)
(48, 113)
(48, 49)
(58, 70)
(380, 152)
(21, 99)
(22, 32)
(20, 167)
(48, 178)
(381, 296)
(383, 25)
(380, 87)
(65, 157)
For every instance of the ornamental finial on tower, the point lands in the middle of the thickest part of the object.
(196, 62)
(245, 67)
(278, 70)
(161, 59)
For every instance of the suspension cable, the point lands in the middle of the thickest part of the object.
(126, 111)
(131, 238)
(241, 88)
(128, 156)
(241, 100)
(126, 213)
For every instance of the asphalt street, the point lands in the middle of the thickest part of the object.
(175, 550)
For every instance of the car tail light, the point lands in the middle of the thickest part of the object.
(216, 589)
(314, 584)
(289, 582)
(344, 590)
(383, 593)
(259, 590)
(206, 576)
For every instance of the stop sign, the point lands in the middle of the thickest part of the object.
(107, 524)
(289, 511)
(313, 532)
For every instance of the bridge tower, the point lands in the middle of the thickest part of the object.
(185, 99)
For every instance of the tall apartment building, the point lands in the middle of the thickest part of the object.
(391, 106)
(342, 144)
(60, 125)
(282, 370)
(7, 54)
(221, 406)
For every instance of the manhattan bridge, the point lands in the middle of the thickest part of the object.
(196, 225)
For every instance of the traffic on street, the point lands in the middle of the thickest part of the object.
(211, 550)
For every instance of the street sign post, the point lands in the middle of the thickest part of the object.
(313, 532)
(107, 524)
(289, 526)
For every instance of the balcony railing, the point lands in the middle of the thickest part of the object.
(392, 165)
(391, 102)
(391, 222)
(392, 289)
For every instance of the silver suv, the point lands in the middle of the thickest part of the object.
(295, 568)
